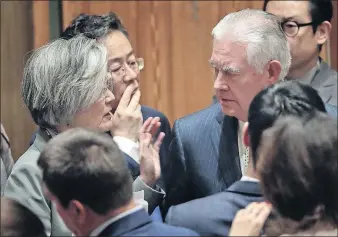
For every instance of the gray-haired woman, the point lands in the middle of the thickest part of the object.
(66, 85)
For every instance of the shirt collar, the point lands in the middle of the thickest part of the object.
(250, 179)
(309, 76)
(105, 224)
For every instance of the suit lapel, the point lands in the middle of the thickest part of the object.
(322, 83)
(225, 145)
(127, 224)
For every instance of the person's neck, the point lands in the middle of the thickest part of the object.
(98, 220)
(250, 171)
(295, 73)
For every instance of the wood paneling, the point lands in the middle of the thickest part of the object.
(40, 23)
(16, 41)
(334, 37)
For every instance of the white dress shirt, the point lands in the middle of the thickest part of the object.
(243, 151)
(105, 224)
(250, 179)
(129, 147)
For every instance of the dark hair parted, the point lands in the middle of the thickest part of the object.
(94, 26)
(283, 98)
(17, 220)
(298, 169)
(86, 166)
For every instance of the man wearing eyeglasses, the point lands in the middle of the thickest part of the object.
(307, 27)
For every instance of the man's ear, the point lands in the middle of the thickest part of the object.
(274, 70)
(246, 138)
(78, 211)
(323, 32)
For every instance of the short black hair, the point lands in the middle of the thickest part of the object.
(94, 26)
(283, 98)
(17, 220)
(320, 11)
(86, 166)
(298, 169)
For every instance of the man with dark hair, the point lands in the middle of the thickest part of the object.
(213, 215)
(86, 177)
(307, 27)
(17, 220)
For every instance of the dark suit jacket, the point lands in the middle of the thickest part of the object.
(204, 155)
(140, 224)
(213, 215)
(325, 82)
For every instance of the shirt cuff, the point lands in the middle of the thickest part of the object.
(129, 147)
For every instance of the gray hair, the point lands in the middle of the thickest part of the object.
(63, 77)
(263, 34)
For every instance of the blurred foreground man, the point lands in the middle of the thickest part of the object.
(86, 177)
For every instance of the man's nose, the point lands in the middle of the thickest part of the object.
(220, 82)
(130, 75)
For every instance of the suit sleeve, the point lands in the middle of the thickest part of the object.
(177, 188)
(24, 186)
(153, 196)
(164, 153)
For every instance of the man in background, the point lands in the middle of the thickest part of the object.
(307, 27)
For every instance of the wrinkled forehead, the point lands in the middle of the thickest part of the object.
(117, 44)
(290, 10)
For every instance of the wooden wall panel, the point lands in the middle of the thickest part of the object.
(191, 49)
(16, 41)
(40, 23)
(334, 37)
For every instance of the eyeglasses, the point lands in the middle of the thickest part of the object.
(291, 28)
(135, 65)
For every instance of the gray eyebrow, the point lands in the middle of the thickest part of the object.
(231, 70)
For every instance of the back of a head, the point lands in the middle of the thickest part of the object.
(94, 26)
(298, 169)
(62, 78)
(17, 220)
(82, 165)
(263, 35)
(284, 98)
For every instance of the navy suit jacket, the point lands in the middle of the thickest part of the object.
(213, 215)
(164, 156)
(204, 156)
(140, 224)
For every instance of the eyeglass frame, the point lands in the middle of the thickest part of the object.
(140, 66)
(299, 25)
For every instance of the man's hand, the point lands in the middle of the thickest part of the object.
(150, 168)
(250, 221)
(127, 119)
